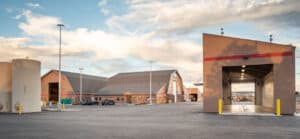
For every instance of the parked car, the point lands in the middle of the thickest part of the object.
(89, 102)
(108, 102)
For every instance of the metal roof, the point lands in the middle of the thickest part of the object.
(90, 83)
(137, 82)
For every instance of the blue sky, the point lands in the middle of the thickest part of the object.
(110, 36)
(70, 11)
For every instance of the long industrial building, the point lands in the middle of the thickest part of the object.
(130, 87)
(270, 66)
(134, 87)
(70, 86)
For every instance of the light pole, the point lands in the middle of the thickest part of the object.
(80, 95)
(59, 65)
(175, 90)
(190, 90)
(150, 82)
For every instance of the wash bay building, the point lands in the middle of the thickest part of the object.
(270, 66)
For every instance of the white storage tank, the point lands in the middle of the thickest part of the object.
(26, 85)
(5, 86)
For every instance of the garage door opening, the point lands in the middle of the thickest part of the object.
(248, 89)
(243, 93)
(53, 92)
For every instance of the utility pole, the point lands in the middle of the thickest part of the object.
(80, 95)
(190, 90)
(150, 82)
(59, 65)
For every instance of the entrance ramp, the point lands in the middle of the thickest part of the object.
(253, 110)
(249, 114)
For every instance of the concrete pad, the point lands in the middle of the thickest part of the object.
(249, 114)
(246, 109)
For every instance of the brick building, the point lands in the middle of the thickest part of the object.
(269, 66)
(192, 94)
(134, 87)
(70, 86)
(130, 87)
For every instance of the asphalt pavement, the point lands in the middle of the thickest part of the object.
(170, 121)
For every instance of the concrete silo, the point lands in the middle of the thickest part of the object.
(20, 84)
(26, 85)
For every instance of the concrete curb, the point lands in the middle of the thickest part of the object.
(56, 110)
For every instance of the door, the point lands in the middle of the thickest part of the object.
(128, 99)
(53, 92)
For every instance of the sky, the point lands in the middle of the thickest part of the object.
(110, 36)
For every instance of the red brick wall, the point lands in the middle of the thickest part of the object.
(66, 88)
(135, 98)
(117, 98)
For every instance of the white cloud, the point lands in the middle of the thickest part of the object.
(33, 5)
(169, 16)
(22, 14)
(105, 11)
(102, 4)
(97, 45)
(39, 27)
(11, 48)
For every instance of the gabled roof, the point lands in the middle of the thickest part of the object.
(136, 82)
(90, 83)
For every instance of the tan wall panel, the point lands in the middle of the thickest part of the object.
(284, 85)
(5, 87)
(268, 91)
(258, 92)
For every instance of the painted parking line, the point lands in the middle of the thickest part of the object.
(249, 114)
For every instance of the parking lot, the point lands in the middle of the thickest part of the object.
(170, 121)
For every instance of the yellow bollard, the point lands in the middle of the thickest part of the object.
(278, 110)
(20, 109)
(62, 107)
(220, 105)
(44, 104)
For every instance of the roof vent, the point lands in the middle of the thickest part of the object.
(222, 31)
(271, 38)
